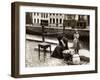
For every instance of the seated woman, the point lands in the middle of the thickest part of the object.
(63, 45)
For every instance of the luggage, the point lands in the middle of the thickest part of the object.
(76, 59)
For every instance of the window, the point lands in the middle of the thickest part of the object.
(50, 21)
(53, 14)
(57, 21)
(37, 20)
(34, 14)
(34, 20)
(88, 20)
(50, 14)
(37, 14)
(56, 14)
(69, 17)
(53, 21)
(46, 15)
(41, 15)
(81, 17)
(60, 21)
(60, 14)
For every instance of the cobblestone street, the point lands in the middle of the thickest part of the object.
(32, 59)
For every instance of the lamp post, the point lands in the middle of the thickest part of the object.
(43, 34)
(63, 29)
(43, 23)
(64, 24)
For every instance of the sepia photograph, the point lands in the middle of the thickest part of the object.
(51, 39)
(55, 39)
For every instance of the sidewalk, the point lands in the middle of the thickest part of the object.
(47, 39)
(39, 38)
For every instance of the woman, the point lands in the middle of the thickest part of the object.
(63, 45)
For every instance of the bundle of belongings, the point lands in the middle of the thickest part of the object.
(70, 57)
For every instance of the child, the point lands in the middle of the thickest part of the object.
(76, 34)
(76, 45)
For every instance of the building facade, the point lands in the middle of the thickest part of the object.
(56, 20)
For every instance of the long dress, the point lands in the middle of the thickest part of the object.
(76, 45)
(57, 53)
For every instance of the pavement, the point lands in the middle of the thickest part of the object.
(32, 57)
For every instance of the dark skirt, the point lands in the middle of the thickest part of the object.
(57, 53)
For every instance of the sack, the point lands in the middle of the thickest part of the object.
(76, 59)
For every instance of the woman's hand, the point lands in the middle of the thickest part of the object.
(63, 43)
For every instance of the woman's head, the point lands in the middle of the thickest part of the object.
(60, 36)
(65, 39)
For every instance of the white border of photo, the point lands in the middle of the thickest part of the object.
(38, 70)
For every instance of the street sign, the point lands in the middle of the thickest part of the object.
(44, 22)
